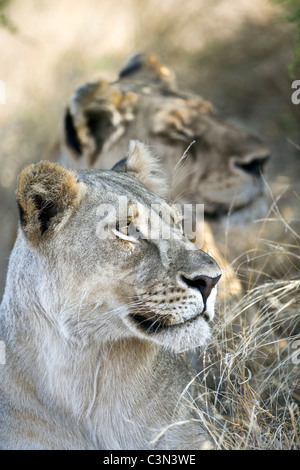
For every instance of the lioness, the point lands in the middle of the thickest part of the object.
(94, 315)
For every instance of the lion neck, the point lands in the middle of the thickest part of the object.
(73, 381)
(79, 383)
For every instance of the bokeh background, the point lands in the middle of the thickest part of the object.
(240, 54)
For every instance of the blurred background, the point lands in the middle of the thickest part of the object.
(239, 54)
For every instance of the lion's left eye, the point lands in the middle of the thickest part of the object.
(124, 229)
(127, 232)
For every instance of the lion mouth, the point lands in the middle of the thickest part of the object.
(231, 211)
(155, 325)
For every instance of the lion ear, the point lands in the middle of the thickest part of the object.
(46, 193)
(141, 165)
(95, 118)
(148, 68)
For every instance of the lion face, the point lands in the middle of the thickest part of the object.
(108, 276)
(208, 161)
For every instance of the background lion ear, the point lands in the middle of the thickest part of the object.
(95, 118)
(45, 194)
(143, 166)
(149, 68)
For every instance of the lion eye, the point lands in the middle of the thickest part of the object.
(124, 229)
(127, 232)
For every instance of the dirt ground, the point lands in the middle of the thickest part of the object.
(234, 53)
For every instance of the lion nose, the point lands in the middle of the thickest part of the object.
(204, 284)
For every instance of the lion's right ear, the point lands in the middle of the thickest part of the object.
(141, 165)
(46, 193)
(95, 119)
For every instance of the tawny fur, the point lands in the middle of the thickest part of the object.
(82, 372)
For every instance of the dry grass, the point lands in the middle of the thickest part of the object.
(251, 368)
(256, 383)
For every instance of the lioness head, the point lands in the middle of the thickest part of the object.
(222, 167)
(98, 272)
